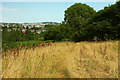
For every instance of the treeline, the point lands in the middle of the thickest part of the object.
(83, 23)
(9, 38)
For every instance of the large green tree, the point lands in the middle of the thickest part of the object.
(76, 18)
(105, 25)
(78, 14)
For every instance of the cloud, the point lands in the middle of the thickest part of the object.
(7, 9)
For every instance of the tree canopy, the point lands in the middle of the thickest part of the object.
(78, 14)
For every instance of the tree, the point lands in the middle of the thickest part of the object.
(78, 14)
(76, 17)
(105, 23)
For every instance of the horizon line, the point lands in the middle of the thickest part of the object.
(31, 22)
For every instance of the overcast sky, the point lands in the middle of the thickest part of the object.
(40, 11)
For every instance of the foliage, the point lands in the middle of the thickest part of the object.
(54, 33)
(9, 38)
(41, 39)
(105, 24)
(81, 23)
(77, 15)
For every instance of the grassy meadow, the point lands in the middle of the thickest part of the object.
(62, 60)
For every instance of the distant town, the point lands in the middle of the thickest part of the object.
(38, 27)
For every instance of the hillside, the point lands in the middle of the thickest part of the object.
(36, 24)
(63, 60)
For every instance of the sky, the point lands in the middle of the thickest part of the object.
(23, 12)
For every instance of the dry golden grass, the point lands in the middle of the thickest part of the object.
(64, 60)
(0, 56)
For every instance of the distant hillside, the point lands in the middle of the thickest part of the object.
(37, 24)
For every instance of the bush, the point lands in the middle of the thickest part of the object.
(41, 39)
(65, 39)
